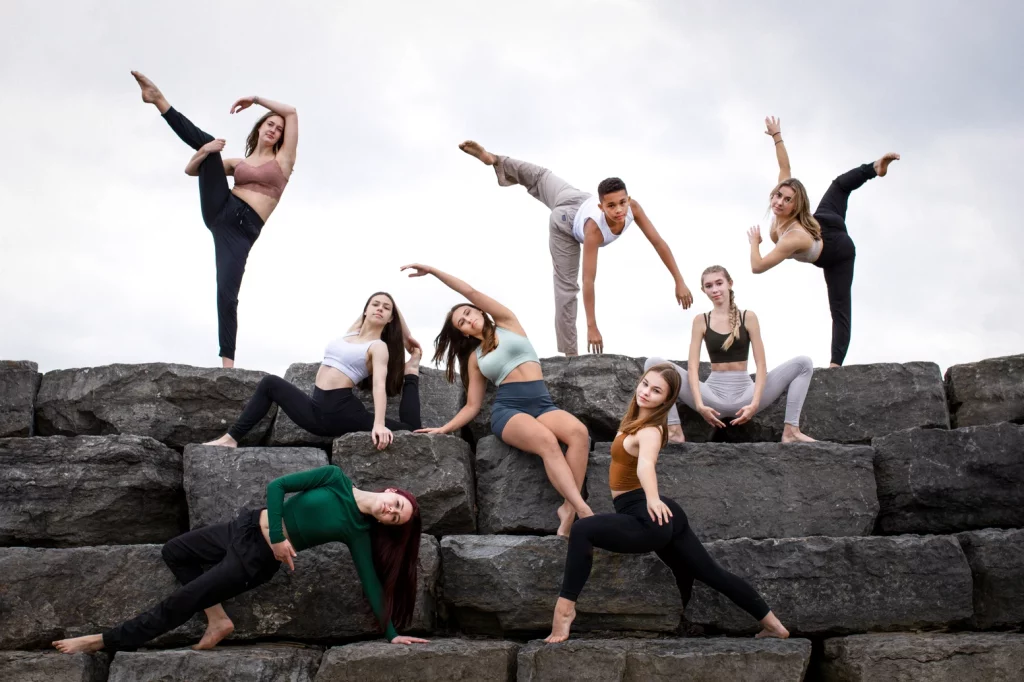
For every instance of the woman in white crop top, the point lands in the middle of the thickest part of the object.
(371, 355)
(488, 342)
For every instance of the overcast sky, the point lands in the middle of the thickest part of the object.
(105, 257)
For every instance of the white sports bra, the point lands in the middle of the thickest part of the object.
(349, 358)
(809, 255)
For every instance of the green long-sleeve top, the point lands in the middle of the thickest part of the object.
(324, 510)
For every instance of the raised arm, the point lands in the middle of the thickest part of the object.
(753, 328)
(592, 241)
(683, 295)
(474, 401)
(792, 242)
(290, 144)
(649, 440)
(503, 317)
(774, 130)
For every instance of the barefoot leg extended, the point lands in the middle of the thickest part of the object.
(571, 431)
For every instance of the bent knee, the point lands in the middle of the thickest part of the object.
(804, 363)
(652, 361)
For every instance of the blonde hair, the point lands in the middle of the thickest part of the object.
(632, 423)
(801, 207)
(734, 312)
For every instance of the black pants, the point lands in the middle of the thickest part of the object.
(233, 223)
(241, 560)
(630, 531)
(325, 413)
(838, 254)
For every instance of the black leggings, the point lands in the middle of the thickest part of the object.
(325, 413)
(630, 531)
(241, 560)
(233, 223)
(838, 254)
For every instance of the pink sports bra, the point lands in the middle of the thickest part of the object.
(266, 178)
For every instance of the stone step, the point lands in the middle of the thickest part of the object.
(986, 392)
(935, 481)
(932, 657)
(996, 558)
(266, 663)
(53, 666)
(89, 490)
(438, 661)
(19, 384)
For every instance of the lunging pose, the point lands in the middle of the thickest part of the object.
(235, 215)
(579, 218)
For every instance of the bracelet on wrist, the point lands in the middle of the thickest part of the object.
(779, 141)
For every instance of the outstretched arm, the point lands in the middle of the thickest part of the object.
(683, 295)
(791, 243)
(474, 400)
(592, 240)
(290, 144)
(649, 440)
(503, 317)
(774, 130)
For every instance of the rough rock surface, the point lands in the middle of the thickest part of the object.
(513, 492)
(450, 660)
(89, 490)
(53, 666)
(221, 481)
(629, 660)
(250, 663)
(931, 657)
(19, 383)
(936, 481)
(986, 392)
(997, 564)
(435, 468)
(176, 404)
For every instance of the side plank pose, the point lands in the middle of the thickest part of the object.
(729, 392)
(645, 521)
(382, 531)
(489, 343)
(821, 239)
(235, 215)
(370, 354)
(579, 218)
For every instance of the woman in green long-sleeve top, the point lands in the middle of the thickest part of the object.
(382, 531)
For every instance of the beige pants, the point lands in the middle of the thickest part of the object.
(564, 200)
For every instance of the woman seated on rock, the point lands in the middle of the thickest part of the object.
(489, 343)
(372, 353)
(382, 531)
(729, 392)
(644, 521)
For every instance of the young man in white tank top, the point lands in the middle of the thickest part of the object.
(580, 219)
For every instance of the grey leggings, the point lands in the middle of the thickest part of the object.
(728, 392)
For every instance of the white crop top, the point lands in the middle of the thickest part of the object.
(349, 358)
(591, 210)
(808, 255)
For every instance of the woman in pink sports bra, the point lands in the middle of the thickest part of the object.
(236, 215)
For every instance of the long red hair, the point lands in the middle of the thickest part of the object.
(396, 553)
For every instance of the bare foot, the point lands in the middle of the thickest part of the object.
(772, 628)
(224, 441)
(832, 364)
(882, 165)
(413, 365)
(566, 516)
(565, 614)
(675, 433)
(216, 630)
(227, 363)
(79, 645)
(791, 434)
(151, 94)
(477, 150)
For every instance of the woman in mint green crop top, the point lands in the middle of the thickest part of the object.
(487, 341)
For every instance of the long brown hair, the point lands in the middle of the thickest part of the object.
(632, 422)
(396, 552)
(392, 336)
(254, 135)
(734, 312)
(451, 344)
(801, 207)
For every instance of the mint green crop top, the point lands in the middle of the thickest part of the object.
(324, 510)
(513, 350)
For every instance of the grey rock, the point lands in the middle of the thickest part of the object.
(636, 660)
(450, 660)
(500, 584)
(175, 404)
(89, 490)
(997, 564)
(932, 657)
(268, 663)
(19, 383)
(986, 392)
(53, 666)
(221, 481)
(935, 481)
(513, 492)
(435, 468)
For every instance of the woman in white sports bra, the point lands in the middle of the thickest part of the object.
(489, 343)
(370, 354)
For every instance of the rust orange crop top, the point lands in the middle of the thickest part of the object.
(622, 472)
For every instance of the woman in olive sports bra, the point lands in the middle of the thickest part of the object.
(235, 216)
(523, 414)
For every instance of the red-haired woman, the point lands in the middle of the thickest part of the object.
(235, 215)
(381, 529)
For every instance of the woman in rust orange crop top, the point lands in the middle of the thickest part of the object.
(236, 215)
(645, 521)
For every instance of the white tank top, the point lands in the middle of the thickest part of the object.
(591, 210)
(349, 358)
(809, 255)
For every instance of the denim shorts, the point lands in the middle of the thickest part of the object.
(527, 397)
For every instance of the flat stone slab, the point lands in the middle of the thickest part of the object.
(268, 663)
(19, 383)
(175, 404)
(440, 660)
(436, 469)
(997, 564)
(935, 481)
(931, 657)
(986, 392)
(89, 490)
(657, 660)
(53, 666)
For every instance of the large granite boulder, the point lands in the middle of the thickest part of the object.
(19, 383)
(175, 404)
(53, 666)
(997, 564)
(268, 663)
(513, 492)
(986, 392)
(661, 660)
(434, 468)
(442, 660)
(220, 481)
(499, 584)
(925, 657)
(936, 481)
(89, 490)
